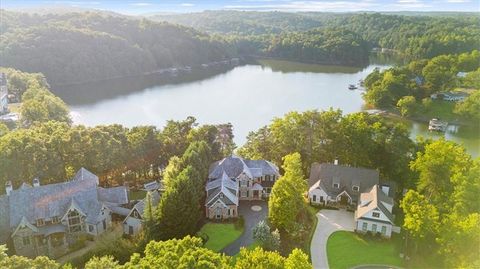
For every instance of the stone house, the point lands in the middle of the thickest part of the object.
(234, 179)
(46, 219)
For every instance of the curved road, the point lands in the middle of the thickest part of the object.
(329, 221)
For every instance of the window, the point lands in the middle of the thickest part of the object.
(130, 229)
(273, 178)
(243, 183)
(336, 185)
(321, 199)
(74, 221)
(26, 240)
(267, 178)
(135, 214)
(221, 195)
(40, 222)
(243, 193)
(55, 219)
(355, 188)
(376, 215)
(228, 212)
(314, 198)
(267, 189)
(374, 228)
(104, 222)
(384, 230)
(364, 226)
(90, 228)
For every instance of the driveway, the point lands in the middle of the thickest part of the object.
(329, 221)
(251, 218)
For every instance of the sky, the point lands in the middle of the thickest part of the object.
(135, 7)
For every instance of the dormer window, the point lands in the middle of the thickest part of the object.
(355, 188)
(336, 185)
(221, 195)
(40, 222)
(376, 215)
(135, 214)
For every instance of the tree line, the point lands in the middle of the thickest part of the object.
(415, 37)
(176, 253)
(409, 87)
(90, 46)
(357, 139)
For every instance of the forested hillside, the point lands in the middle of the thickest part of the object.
(415, 36)
(88, 46)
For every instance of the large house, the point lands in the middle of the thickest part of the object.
(374, 212)
(3, 94)
(46, 219)
(339, 184)
(356, 188)
(234, 179)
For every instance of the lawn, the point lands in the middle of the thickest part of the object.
(442, 110)
(220, 235)
(347, 249)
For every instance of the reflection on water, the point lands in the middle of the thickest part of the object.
(248, 96)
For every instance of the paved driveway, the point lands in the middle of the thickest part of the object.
(251, 219)
(329, 221)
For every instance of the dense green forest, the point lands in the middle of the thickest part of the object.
(89, 46)
(414, 36)
(409, 87)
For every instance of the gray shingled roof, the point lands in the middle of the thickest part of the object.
(140, 206)
(375, 197)
(116, 195)
(234, 166)
(345, 176)
(225, 185)
(53, 200)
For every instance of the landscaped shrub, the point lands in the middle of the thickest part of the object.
(268, 240)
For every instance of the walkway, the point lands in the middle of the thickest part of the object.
(251, 218)
(329, 221)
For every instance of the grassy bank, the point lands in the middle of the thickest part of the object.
(347, 249)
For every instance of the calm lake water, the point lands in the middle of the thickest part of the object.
(247, 96)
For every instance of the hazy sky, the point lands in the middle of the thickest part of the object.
(145, 6)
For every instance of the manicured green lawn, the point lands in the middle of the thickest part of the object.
(442, 110)
(347, 249)
(220, 235)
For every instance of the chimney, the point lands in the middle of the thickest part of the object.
(8, 187)
(36, 182)
(386, 189)
(335, 162)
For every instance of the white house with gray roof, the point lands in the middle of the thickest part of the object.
(234, 179)
(374, 212)
(46, 219)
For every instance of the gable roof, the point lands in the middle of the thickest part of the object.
(374, 199)
(222, 185)
(345, 176)
(233, 166)
(53, 200)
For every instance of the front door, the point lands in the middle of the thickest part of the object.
(218, 213)
(255, 194)
(344, 200)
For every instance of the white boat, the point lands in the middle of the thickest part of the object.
(437, 125)
(352, 87)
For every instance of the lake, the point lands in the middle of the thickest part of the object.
(248, 96)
